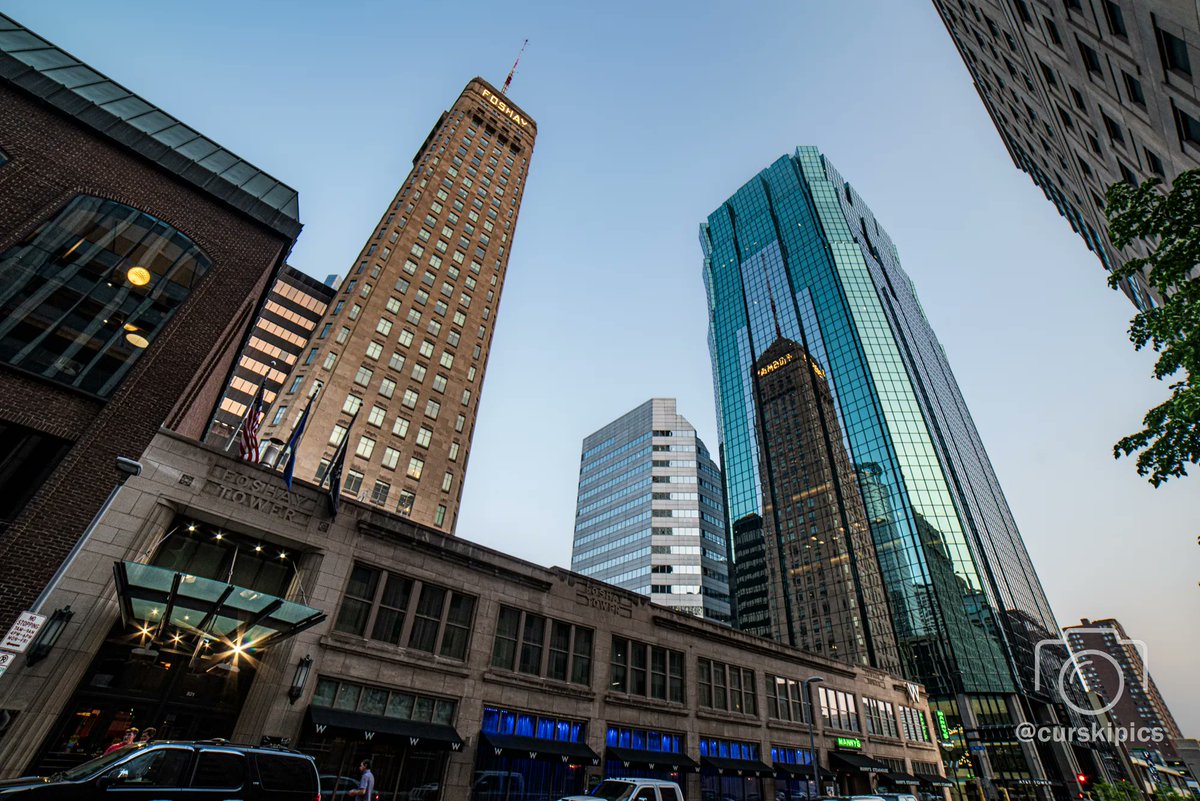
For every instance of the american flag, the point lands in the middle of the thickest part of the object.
(248, 434)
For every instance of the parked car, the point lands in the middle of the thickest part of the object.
(178, 771)
(632, 790)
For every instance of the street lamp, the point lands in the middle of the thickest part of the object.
(812, 738)
(300, 679)
(48, 636)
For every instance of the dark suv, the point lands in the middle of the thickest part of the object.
(178, 771)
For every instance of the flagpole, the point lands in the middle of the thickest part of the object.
(262, 385)
(281, 462)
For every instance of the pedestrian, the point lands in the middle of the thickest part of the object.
(127, 739)
(147, 734)
(366, 785)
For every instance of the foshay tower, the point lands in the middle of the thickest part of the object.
(403, 347)
(823, 589)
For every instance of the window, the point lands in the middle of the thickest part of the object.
(363, 376)
(647, 670)
(439, 383)
(424, 435)
(1115, 19)
(380, 492)
(1052, 31)
(1077, 99)
(406, 338)
(914, 724)
(541, 646)
(384, 326)
(376, 701)
(391, 457)
(405, 505)
(447, 359)
(279, 414)
(330, 358)
(415, 467)
(337, 434)
(1189, 126)
(426, 349)
(296, 382)
(374, 349)
(726, 687)
(453, 451)
(1091, 59)
(1154, 162)
(1133, 89)
(353, 483)
(355, 310)
(158, 769)
(325, 330)
(396, 362)
(380, 602)
(418, 372)
(460, 423)
(376, 416)
(439, 516)
(343, 334)
(466, 397)
(366, 446)
(312, 355)
(432, 408)
(219, 769)
(387, 387)
(1048, 74)
(410, 399)
(351, 404)
(786, 699)
(838, 709)
(881, 718)
(1174, 53)
(447, 481)
(1115, 135)
(400, 427)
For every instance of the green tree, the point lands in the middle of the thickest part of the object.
(1169, 224)
(1120, 791)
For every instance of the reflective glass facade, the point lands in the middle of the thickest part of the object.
(962, 591)
(649, 515)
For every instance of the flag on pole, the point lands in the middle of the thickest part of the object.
(338, 463)
(248, 433)
(513, 71)
(294, 443)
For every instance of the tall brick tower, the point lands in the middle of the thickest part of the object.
(404, 344)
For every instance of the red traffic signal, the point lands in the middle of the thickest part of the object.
(1081, 778)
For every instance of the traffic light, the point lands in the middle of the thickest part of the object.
(1082, 778)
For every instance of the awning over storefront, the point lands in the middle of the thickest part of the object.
(896, 777)
(164, 604)
(936, 782)
(797, 771)
(371, 728)
(654, 760)
(859, 763)
(737, 767)
(514, 745)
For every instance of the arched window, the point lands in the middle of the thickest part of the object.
(88, 292)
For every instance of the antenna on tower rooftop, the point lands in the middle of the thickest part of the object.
(513, 71)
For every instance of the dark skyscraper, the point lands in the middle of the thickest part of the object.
(824, 593)
(795, 256)
(1084, 94)
(400, 355)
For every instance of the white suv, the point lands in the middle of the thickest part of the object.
(632, 790)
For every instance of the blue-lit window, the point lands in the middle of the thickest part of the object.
(790, 756)
(3, 158)
(88, 292)
(644, 739)
(525, 724)
(728, 749)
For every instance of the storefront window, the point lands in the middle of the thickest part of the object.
(90, 290)
(548, 773)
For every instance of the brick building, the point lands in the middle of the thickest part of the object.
(403, 348)
(133, 254)
(460, 671)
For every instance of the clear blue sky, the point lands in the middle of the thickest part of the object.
(649, 116)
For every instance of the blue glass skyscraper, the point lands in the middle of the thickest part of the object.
(796, 254)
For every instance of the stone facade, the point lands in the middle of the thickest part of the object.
(200, 483)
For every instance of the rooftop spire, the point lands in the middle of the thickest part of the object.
(513, 71)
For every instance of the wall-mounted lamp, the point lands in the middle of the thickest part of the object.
(48, 636)
(300, 679)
